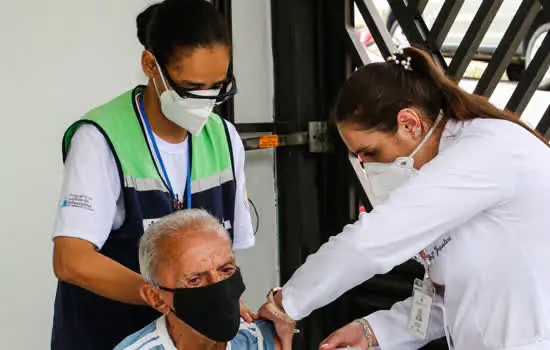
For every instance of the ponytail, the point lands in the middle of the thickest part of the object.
(375, 94)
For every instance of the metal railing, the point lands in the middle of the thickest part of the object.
(408, 15)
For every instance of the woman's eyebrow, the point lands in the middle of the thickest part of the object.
(199, 84)
(362, 150)
(191, 83)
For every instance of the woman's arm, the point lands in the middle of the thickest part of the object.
(390, 326)
(284, 328)
(90, 192)
(77, 261)
(469, 178)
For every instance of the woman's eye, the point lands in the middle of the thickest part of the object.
(366, 156)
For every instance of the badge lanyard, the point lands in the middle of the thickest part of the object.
(422, 300)
(161, 163)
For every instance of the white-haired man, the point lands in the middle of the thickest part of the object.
(195, 283)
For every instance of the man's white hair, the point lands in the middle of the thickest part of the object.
(173, 224)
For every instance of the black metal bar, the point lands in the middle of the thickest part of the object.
(444, 21)
(546, 8)
(543, 126)
(359, 55)
(531, 78)
(420, 6)
(502, 56)
(474, 35)
(415, 29)
(406, 20)
(309, 58)
(376, 26)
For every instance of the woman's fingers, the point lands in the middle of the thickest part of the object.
(349, 336)
(247, 315)
(331, 342)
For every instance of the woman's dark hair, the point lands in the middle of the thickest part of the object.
(173, 26)
(375, 93)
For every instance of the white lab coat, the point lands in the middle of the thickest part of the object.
(481, 209)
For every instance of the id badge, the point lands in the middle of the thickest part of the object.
(419, 319)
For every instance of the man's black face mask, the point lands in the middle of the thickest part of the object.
(214, 310)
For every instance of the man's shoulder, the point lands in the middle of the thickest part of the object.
(257, 335)
(147, 338)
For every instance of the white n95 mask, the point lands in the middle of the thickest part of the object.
(386, 177)
(188, 113)
(380, 179)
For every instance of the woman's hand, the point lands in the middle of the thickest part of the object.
(247, 315)
(284, 326)
(351, 335)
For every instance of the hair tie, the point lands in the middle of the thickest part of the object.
(400, 59)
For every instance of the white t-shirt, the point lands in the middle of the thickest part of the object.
(480, 209)
(91, 197)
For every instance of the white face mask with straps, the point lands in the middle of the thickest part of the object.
(382, 178)
(188, 113)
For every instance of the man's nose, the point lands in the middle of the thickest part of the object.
(214, 277)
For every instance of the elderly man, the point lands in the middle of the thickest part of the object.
(195, 283)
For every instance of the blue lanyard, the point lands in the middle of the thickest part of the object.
(161, 163)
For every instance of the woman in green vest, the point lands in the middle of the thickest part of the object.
(149, 152)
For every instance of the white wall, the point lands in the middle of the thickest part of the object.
(254, 104)
(58, 59)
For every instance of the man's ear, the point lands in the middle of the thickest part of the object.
(151, 295)
(148, 64)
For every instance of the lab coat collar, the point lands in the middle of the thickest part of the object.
(452, 128)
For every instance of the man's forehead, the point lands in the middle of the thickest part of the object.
(197, 251)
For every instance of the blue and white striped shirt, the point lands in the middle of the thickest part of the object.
(255, 336)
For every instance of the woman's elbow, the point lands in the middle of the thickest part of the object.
(62, 267)
(67, 254)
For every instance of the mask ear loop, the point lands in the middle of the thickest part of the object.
(430, 132)
(161, 77)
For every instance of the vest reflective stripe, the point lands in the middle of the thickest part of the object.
(196, 186)
(211, 181)
(143, 184)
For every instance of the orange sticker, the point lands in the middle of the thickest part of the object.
(269, 141)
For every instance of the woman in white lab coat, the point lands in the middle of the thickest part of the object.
(458, 184)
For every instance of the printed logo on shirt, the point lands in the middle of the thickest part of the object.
(432, 252)
(438, 248)
(78, 201)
